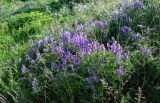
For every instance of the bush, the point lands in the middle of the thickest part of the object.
(71, 68)
(22, 26)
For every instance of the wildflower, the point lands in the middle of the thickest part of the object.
(79, 40)
(54, 65)
(76, 60)
(120, 71)
(39, 57)
(126, 2)
(136, 5)
(115, 15)
(90, 70)
(66, 36)
(59, 50)
(88, 49)
(126, 56)
(80, 27)
(102, 47)
(136, 37)
(64, 63)
(34, 83)
(126, 29)
(100, 24)
(68, 55)
(113, 40)
(93, 89)
(113, 48)
(40, 44)
(23, 69)
(95, 78)
(88, 80)
(118, 49)
(118, 55)
(145, 51)
(33, 50)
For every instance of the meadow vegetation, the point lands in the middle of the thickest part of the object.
(79, 51)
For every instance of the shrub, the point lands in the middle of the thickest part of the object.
(22, 26)
(71, 68)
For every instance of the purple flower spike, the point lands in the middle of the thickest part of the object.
(66, 36)
(113, 48)
(126, 56)
(115, 15)
(34, 84)
(95, 78)
(136, 37)
(121, 71)
(118, 58)
(137, 5)
(64, 64)
(118, 49)
(90, 70)
(126, 29)
(54, 65)
(80, 27)
(39, 57)
(145, 51)
(93, 89)
(23, 69)
(88, 80)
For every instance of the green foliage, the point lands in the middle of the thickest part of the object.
(22, 26)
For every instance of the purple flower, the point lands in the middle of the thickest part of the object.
(33, 50)
(126, 29)
(100, 24)
(113, 48)
(76, 60)
(54, 65)
(88, 80)
(80, 41)
(145, 51)
(34, 84)
(115, 15)
(39, 57)
(118, 57)
(90, 70)
(66, 36)
(126, 2)
(95, 78)
(64, 63)
(88, 49)
(68, 55)
(80, 27)
(59, 51)
(137, 5)
(136, 37)
(126, 56)
(93, 89)
(40, 44)
(120, 71)
(23, 69)
(102, 47)
(118, 49)
(113, 40)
